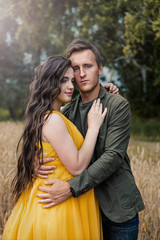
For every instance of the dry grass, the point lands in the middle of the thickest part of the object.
(145, 165)
(9, 136)
(145, 162)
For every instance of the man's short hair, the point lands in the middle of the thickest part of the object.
(78, 45)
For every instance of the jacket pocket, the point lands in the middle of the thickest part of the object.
(127, 191)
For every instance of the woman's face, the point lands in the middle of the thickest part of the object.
(67, 87)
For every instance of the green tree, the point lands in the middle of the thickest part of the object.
(33, 28)
(45, 26)
(127, 33)
(128, 36)
(142, 50)
(13, 73)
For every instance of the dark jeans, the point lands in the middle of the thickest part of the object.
(120, 231)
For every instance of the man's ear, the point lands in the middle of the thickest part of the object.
(100, 69)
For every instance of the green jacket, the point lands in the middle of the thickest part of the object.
(110, 175)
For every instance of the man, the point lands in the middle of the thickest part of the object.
(110, 172)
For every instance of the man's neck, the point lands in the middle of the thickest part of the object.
(90, 96)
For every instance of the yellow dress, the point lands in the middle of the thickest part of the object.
(74, 219)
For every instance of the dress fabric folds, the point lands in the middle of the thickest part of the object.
(75, 219)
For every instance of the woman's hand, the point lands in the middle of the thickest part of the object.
(96, 115)
(111, 88)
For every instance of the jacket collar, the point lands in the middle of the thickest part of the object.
(74, 108)
(102, 92)
(77, 100)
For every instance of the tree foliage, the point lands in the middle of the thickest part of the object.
(128, 36)
(142, 37)
(127, 33)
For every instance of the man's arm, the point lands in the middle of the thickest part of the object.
(116, 144)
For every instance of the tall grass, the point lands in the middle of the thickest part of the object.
(9, 135)
(145, 165)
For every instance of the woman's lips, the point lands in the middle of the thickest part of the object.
(69, 93)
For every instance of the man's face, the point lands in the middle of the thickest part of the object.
(86, 70)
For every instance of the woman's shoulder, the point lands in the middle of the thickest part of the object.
(56, 117)
(56, 124)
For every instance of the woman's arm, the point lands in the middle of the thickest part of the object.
(55, 132)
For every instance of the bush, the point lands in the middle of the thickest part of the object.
(146, 129)
(4, 114)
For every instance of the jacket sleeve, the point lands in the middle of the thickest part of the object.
(116, 143)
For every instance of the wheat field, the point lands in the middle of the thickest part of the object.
(145, 165)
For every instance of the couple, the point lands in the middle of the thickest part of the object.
(70, 209)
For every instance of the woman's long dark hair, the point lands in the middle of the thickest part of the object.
(44, 89)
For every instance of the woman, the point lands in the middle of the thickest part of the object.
(48, 129)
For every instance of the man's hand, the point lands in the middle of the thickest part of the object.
(111, 88)
(42, 171)
(57, 193)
